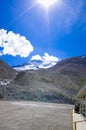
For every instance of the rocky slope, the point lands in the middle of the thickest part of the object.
(57, 84)
(7, 74)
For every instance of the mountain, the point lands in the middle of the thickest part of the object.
(6, 72)
(35, 64)
(59, 83)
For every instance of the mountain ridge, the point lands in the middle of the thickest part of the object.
(35, 64)
(59, 83)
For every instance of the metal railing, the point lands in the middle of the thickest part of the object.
(75, 124)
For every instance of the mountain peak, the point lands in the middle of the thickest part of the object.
(38, 64)
(35, 64)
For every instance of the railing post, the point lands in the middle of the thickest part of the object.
(74, 125)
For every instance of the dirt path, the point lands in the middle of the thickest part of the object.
(34, 116)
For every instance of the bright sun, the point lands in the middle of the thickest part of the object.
(47, 3)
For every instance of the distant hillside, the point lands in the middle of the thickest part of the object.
(60, 83)
(6, 72)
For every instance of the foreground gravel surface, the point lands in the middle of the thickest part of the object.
(35, 116)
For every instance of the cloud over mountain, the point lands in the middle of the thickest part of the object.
(47, 60)
(36, 57)
(46, 57)
(14, 44)
(37, 61)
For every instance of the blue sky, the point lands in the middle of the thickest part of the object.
(28, 29)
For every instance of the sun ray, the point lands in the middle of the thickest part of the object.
(46, 3)
(24, 12)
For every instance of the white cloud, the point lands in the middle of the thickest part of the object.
(14, 44)
(36, 57)
(0, 54)
(47, 60)
(73, 14)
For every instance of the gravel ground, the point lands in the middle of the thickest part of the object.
(19, 115)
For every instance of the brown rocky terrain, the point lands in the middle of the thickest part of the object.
(60, 83)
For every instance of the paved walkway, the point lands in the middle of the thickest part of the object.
(79, 122)
(35, 116)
